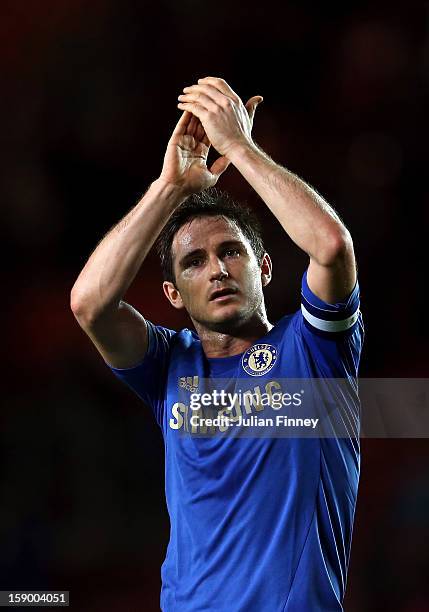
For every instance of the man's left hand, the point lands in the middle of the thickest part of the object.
(226, 120)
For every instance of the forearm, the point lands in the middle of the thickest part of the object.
(114, 263)
(306, 217)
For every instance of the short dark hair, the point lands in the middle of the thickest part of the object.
(209, 203)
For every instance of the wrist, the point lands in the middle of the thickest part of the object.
(171, 192)
(240, 151)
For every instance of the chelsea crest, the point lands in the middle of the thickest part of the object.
(259, 359)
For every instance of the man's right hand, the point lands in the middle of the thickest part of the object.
(185, 161)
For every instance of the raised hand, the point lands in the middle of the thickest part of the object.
(185, 160)
(226, 120)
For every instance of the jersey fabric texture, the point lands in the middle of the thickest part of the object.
(257, 524)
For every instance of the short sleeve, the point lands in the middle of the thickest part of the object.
(148, 378)
(329, 318)
(333, 333)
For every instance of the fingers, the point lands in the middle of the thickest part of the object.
(194, 108)
(201, 92)
(221, 85)
(209, 97)
(182, 124)
(195, 94)
(200, 134)
(192, 125)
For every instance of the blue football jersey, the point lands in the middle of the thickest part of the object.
(257, 523)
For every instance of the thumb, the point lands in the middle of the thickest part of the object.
(219, 166)
(252, 104)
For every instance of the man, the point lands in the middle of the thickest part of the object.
(257, 524)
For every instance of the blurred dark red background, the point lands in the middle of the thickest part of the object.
(88, 103)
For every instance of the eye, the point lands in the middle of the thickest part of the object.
(232, 252)
(194, 263)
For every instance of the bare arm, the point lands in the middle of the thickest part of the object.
(306, 217)
(118, 330)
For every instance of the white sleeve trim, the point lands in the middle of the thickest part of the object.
(330, 326)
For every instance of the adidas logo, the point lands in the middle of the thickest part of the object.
(190, 383)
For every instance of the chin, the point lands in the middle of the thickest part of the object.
(225, 321)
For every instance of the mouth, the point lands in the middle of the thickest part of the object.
(221, 295)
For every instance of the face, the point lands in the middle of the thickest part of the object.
(218, 278)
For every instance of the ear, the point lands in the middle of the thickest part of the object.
(266, 270)
(172, 294)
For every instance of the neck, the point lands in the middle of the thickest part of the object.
(228, 342)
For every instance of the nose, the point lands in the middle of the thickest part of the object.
(218, 270)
